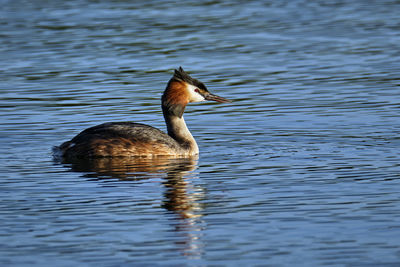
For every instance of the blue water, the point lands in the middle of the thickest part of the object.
(302, 169)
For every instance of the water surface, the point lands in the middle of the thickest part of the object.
(301, 169)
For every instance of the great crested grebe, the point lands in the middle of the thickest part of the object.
(127, 139)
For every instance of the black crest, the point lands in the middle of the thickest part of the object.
(181, 75)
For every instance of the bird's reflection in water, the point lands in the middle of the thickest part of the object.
(181, 196)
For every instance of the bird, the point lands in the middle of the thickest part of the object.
(130, 139)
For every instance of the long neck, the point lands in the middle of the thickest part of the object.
(178, 130)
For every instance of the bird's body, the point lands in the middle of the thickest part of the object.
(128, 139)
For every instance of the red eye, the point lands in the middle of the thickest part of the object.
(197, 90)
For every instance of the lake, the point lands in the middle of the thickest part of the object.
(301, 169)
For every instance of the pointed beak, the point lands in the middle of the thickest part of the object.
(219, 99)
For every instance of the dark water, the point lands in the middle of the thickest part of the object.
(302, 169)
